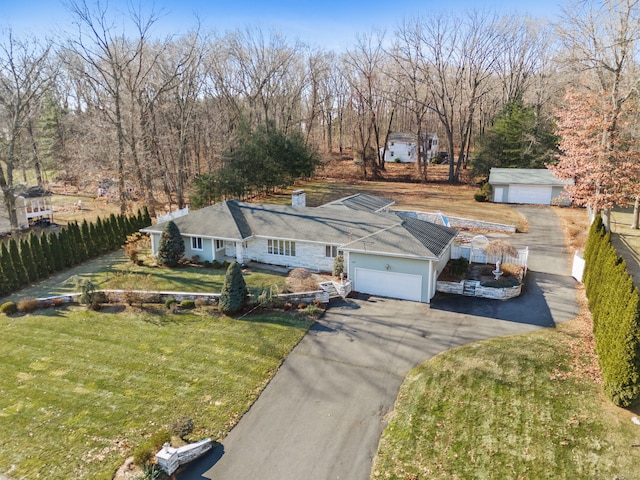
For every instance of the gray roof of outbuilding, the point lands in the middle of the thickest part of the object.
(526, 176)
(383, 232)
(362, 202)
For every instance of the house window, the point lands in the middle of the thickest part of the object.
(391, 153)
(219, 244)
(331, 251)
(196, 243)
(281, 247)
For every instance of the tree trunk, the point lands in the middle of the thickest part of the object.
(636, 213)
(606, 219)
(36, 159)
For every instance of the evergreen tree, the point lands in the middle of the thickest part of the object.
(101, 236)
(16, 262)
(28, 261)
(123, 229)
(234, 290)
(140, 220)
(66, 248)
(87, 241)
(519, 138)
(111, 227)
(171, 246)
(146, 218)
(96, 244)
(47, 252)
(56, 252)
(38, 255)
(8, 270)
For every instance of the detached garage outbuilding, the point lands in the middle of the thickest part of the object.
(538, 186)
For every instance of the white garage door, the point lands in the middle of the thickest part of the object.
(528, 194)
(388, 284)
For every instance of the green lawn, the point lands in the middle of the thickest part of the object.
(79, 389)
(183, 279)
(506, 408)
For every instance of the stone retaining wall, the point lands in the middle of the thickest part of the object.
(457, 288)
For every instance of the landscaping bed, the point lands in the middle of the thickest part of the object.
(478, 280)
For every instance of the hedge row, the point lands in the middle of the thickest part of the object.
(614, 303)
(38, 256)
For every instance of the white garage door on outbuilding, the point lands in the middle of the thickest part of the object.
(388, 284)
(536, 195)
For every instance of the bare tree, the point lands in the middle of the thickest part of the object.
(362, 69)
(25, 77)
(601, 47)
(106, 54)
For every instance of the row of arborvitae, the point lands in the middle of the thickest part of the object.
(614, 303)
(38, 256)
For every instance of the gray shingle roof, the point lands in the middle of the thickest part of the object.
(407, 237)
(382, 232)
(362, 202)
(525, 176)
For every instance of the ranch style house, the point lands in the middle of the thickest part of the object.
(385, 253)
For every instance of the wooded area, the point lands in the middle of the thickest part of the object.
(112, 105)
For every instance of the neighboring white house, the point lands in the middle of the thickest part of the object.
(537, 186)
(33, 206)
(384, 253)
(402, 148)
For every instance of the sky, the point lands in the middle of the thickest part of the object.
(327, 24)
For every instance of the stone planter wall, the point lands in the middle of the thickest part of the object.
(473, 289)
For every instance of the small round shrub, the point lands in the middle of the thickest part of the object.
(142, 455)
(181, 427)
(188, 304)
(216, 264)
(28, 305)
(170, 303)
(207, 264)
(159, 438)
(201, 302)
(8, 308)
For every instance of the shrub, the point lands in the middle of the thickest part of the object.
(88, 296)
(459, 266)
(28, 305)
(171, 246)
(134, 245)
(201, 302)
(8, 308)
(158, 439)
(170, 303)
(181, 427)
(143, 454)
(484, 195)
(300, 273)
(188, 304)
(234, 290)
(216, 264)
(338, 266)
(207, 264)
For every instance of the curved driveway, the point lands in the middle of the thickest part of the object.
(322, 414)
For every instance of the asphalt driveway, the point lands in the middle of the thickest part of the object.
(322, 415)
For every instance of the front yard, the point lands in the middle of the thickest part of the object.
(80, 389)
(514, 407)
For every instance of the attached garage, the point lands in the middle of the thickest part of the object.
(388, 284)
(537, 186)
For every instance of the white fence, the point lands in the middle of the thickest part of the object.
(171, 215)
(477, 255)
